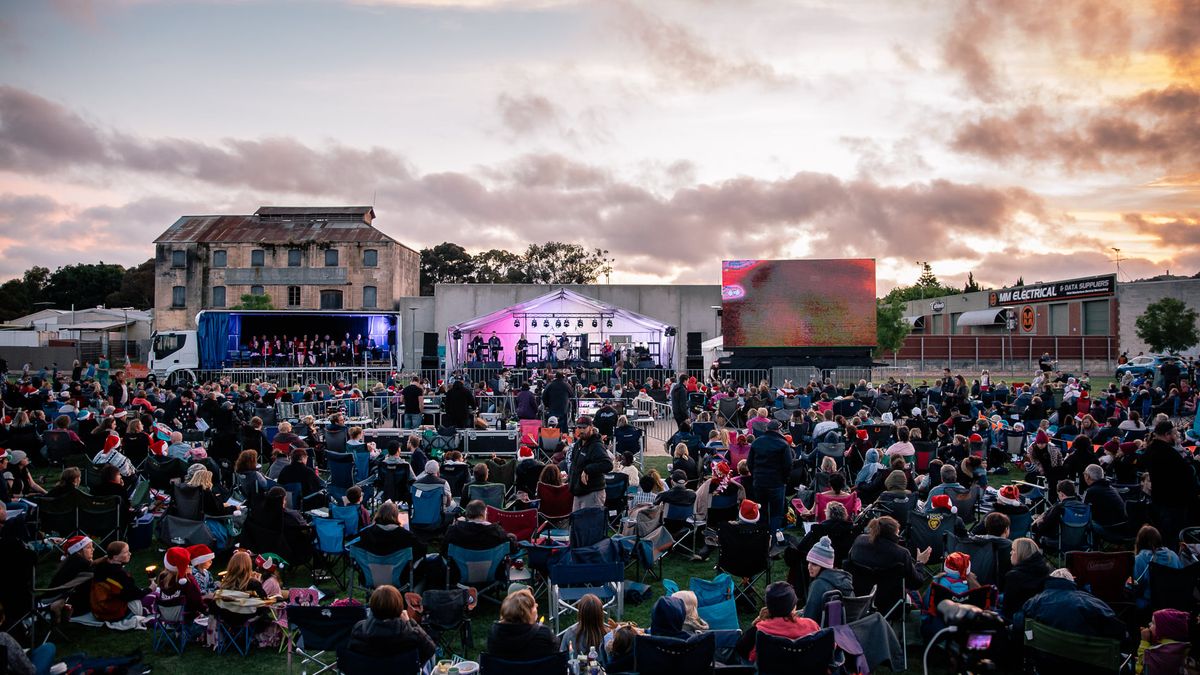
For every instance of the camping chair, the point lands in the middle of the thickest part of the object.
(571, 580)
(925, 452)
(714, 600)
(967, 503)
(850, 501)
(1019, 524)
(555, 664)
(101, 518)
(320, 630)
(929, 529)
(616, 496)
(520, 524)
(780, 656)
(162, 470)
(745, 554)
(853, 607)
(335, 440)
(331, 544)
(59, 445)
(57, 515)
(442, 613)
(456, 476)
(727, 410)
(985, 558)
(236, 615)
(1103, 573)
(651, 549)
(187, 501)
(983, 597)
(1014, 443)
(427, 517)
(1051, 649)
(170, 629)
(588, 526)
(655, 654)
(530, 431)
(348, 515)
(889, 587)
(1075, 530)
(1172, 588)
(1166, 659)
(680, 521)
(628, 439)
(378, 570)
(396, 480)
(341, 473)
(549, 439)
(491, 494)
(555, 504)
(482, 570)
(178, 531)
(300, 501)
(353, 663)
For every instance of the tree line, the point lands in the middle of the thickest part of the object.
(83, 285)
(550, 263)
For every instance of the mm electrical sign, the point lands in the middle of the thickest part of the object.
(1090, 287)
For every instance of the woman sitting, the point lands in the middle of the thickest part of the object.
(68, 483)
(388, 630)
(683, 462)
(692, 623)
(837, 488)
(1026, 578)
(386, 535)
(589, 632)
(1148, 548)
(212, 505)
(518, 635)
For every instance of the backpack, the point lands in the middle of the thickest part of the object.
(106, 601)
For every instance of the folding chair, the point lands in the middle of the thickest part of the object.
(549, 439)
(491, 494)
(821, 501)
(745, 554)
(1172, 588)
(335, 439)
(781, 656)
(570, 581)
(427, 517)
(234, 632)
(57, 515)
(929, 529)
(483, 570)
(320, 630)
(169, 629)
(1103, 573)
(348, 515)
(616, 497)
(851, 608)
(353, 663)
(101, 518)
(680, 521)
(178, 531)
(555, 504)
(985, 558)
(162, 470)
(925, 452)
(888, 585)
(1050, 649)
(1075, 529)
(445, 612)
(341, 473)
(396, 482)
(656, 654)
(381, 569)
(555, 664)
(714, 600)
(331, 538)
(588, 526)
(1019, 524)
(651, 549)
(520, 524)
(456, 476)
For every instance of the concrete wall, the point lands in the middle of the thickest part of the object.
(1135, 297)
(37, 357)
(412, 332)
(689, 308)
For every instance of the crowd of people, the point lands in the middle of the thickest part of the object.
(964, 492)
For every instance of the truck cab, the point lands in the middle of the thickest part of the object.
(174, 356)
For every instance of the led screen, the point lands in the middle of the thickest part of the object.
(798, 303)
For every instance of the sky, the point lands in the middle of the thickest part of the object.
(1001, 138)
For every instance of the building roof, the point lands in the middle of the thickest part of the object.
(279, 225)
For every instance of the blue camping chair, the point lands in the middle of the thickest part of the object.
(588, 527)
(331, 538)
(1075, 530)
(571, 580)
(170, 629)
(483, 570)
(378, 570)
(491, 494)
(427, 516)
(555, 664)
(362, 465)
(656, 654)
(341, 473)
(349, 517)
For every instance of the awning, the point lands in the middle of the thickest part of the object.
(96, 325)
(917, 322)
(982, 317)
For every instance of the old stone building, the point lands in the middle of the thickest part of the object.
(299, 258)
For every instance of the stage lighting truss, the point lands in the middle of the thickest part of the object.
(564, 320)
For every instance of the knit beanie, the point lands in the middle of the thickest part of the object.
(896, 480)
(1170, 624)
(821, 554)
(1041, 437)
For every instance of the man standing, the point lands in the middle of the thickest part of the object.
(770, 462)
(414, 403)
(589, 463)
(1172, 479)
(557, 398)
(679, 401)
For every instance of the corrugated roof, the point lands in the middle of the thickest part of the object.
(361, 211)
(275, 230)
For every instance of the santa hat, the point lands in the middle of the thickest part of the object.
(112, 442)
(1113, 446)
(177, 560)
(269, 561)
(862, 434)
(748, 513)
(119, 414)
(200, 554)
(1010, 495)
(76, 544)
(525, 452)
(958, 564)
(975, 438)
(943, 502)
(721, 469)
(1042, 437)
(158, 448)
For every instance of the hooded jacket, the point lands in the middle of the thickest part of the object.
(666, 618)
(1025, 580)
(384, 637)
(591, 458)
(770, 460)
(1063, 606)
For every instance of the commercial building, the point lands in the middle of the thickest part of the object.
(299, 258)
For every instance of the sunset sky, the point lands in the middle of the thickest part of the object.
(1007, 138)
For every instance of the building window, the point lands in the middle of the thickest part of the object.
(257, 257)
(955, 329)
(1095, 317)
(220, 258)
(178, 258)
(178, 296)
(938, 320)
(1059, 324)
(331, 299)
(370, 258)
(218, 296)
(294, 257)
(293, 296)
(331, 257)
(256, 290)
(369, 297)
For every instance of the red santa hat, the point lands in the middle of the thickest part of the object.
(178, 560)
(943, 502)
(975, 438)
(76, 544)
(958, 564)
(112, 442)
(1010, 495)
(524, 452)
(200, 554)
(748, 513)
(862, 434)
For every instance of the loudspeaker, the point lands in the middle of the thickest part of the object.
(583, 347)
(695, 363)
(429, 362)
(693, 344)
(431, 342)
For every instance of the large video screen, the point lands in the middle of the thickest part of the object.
(798, 303)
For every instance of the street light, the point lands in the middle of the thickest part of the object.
(413, 334)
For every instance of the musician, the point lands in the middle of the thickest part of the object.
(372, 348)
(279, 353)
(475, 348)
(254, 347)
(522, 347)
(606, 353)
(344, 355)
(494, 347)
(267, 349)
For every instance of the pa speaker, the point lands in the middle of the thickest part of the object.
(583, 347)
(430, 344)
(429, 362)
(695, 363)
(693, 344)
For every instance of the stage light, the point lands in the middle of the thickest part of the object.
(457, 334)
(516, 323)
(579, 323)
(609, 323)
(545, 323)
(595, 323)
(558, 323)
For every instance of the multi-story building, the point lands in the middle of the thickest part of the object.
(299, 258)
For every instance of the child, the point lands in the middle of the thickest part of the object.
(1167, 626)
(202, 560)
(269, 567)
(354, 497)
(115, 593)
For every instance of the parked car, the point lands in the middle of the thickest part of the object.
(1148, 364)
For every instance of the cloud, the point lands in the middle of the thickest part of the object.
(527, 114)
(1174, 230)
(1158, 128)
(680, 56)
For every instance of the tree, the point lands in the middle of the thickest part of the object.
(250, 301)
(927, 278)
(83, 285)
(17, 296)
(927, 286)
(137, 288)
(890, 327)
(558, 263)
(1020, 281)
(498, 266)
(972, 286)
(1168, 325)
(445, 263)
